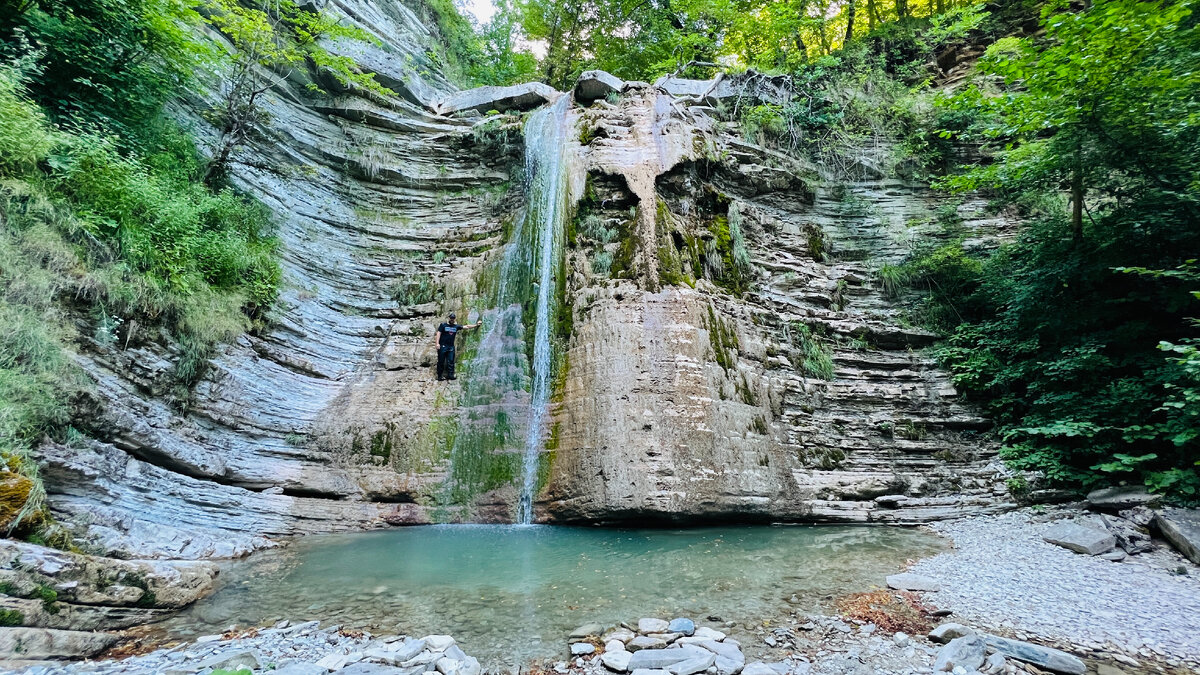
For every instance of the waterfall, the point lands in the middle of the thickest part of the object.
(506, 388)
(546, 175)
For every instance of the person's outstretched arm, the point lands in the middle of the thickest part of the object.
(437, 337)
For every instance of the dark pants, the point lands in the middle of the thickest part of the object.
(445, 361)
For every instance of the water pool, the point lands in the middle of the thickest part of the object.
(510, 594)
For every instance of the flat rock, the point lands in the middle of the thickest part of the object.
(646, 626)
(1046, 658)
(642, 642)
(230, 660)
(587, 630)
(519, 97)
(912, 582)
(437, 643)
(665, 637)
(1116, 555)
(683, 626)
(300, 669)
(622, 634)
(617, 661)
(48, 643)
(758, 668)
(729, 651)
(368, 669)
(662, 658)
(594, 84)
(582, 649)
(694, 665)
(949, 631)
(614, 646)
(967, 652)
(333, 661)
(707, 633)
(726, 666)
(1080, 539)
(1121, 497)
(1181, 527)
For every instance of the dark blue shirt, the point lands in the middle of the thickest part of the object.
(448, 331)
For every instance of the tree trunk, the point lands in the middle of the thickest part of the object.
(1077, 198)
(849, 21)
(872, 15)
(941, 6)
(824, 37)
(902, 9)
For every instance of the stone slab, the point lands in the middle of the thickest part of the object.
(912, 582)
(1181, 527)
(1080, 539)
(1046, 658)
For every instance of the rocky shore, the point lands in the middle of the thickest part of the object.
(1012, 596)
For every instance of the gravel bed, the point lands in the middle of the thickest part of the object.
(1002, 576)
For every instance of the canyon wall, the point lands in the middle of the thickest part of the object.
(727, 350)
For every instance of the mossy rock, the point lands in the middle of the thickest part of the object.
(14, 492)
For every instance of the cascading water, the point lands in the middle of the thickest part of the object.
(546, 173)
(507, 385)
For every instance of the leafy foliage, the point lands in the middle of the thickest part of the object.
(1079, 334)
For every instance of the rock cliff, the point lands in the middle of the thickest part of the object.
(726, 348)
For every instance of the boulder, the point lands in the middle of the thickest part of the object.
(47, 643)
(949, 631)
(1181, 527)
(582, 649)
(726, 666)
(1080, 539)
(643, 642)
(682, 626)
(912, 582)
(617, 661)
(594, 84)
(1121, 497)
(967, 652)
(646, 626)
(518, 97)
(614, 646)
(665, 637)
(1046, 658)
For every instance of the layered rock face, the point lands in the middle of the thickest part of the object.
(770, 379)
(728, 350)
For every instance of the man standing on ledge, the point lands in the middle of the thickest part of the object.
(444, 340)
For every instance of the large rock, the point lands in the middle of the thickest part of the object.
(518, 97)
(594, 84)
(94, 593)
(46, 643)
(587, 630)
(682, 626)
(1130, 538)
(1080, 539)
(696, 664)
(1121, 497)
(968, 651)
(645, 642)
(1181, 527)
(1046, 658)
(912, 582)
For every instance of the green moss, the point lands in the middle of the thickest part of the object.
(48, 596)
(381, 443)
(11, 617)
(759, 425)
(723, 339)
